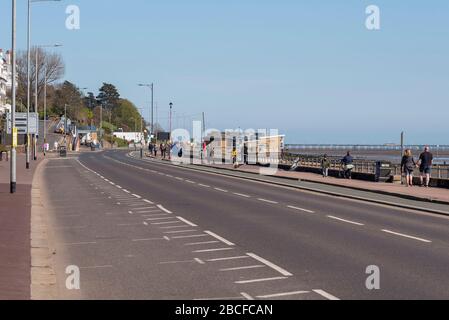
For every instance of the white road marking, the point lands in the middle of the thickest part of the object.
(301, 209)
(187, 222)
(190, 181)
(144, 208)
(242, 268)
(247, 296)
(201, 243)
(119, 187)
(268, 201)
(175, 227)
(221, 190)
(148, 211)
(228, 258)
(178, 262)
(212, 250)
(229, 243)
(407, 236)
(128, 224)
(96, 267)
(163, 209)
(204, 185)
(200, 261)
(180, 179)
(137, 196)
(193, 236)
(285, 294)
(242, 195)
(162, 223)
(145, 223)
(124, 190)
(159, 219)
(182, 231)
(260, 280)
(270, 264)
(148, 201)
(347, 221)
(149, 239)
(154, 215)
(326, 295)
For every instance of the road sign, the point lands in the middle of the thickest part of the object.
(21, 123)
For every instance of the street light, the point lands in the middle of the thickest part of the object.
(13, 172)
(171, 110)
(45, 92)
(151, 86)
(29, 77)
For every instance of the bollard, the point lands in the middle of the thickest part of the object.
(141, 153)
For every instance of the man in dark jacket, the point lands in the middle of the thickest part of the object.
(348, 165)
(425, 166)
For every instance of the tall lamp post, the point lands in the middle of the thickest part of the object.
(13, 173)
(171, 112)
(45, 92)
(29, 77)
(151, 86)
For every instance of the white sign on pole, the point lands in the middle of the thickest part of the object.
(21, 123)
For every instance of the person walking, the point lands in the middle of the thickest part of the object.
(425, 167)
(155, 150)
(348, 165)
(408, 166)
(325, 166)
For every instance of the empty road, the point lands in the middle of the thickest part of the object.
(147, 230)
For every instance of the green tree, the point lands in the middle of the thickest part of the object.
(67, 94)
(109, 96)
(127, 116)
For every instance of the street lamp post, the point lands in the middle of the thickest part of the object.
(45, 92)
(151, 86)
(171, 110)
(29, 77)
(13, 173)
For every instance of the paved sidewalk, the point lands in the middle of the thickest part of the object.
(426, 194)
(15, 226)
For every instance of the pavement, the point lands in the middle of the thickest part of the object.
(15, 229)
(437, 195)
(150, 230)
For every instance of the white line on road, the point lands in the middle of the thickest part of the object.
(347, 221)
(193, 236)
(301, 209)
(268, 201)
(326, 295)
(148, 201)
(190, 181)
(242, 195)
(162, 223)
(228, 258)
(137, 196)
(149, 239)
(187, 222)
(242, 268)
(175, 227)
(204, 185)
(260, 280)
(212, 250)
(221, 190)
(163, 209)
(201, 243)
(159, 219)
(407, 236)
(247, 296)
(200, 261)
(229, 243)
(182, 231)
(270, 264)
(285, 294)
(124, 190)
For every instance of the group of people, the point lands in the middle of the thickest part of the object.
(425, 163)
(347, 164)
(163, 148)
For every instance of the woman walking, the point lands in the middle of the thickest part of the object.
(408, 166)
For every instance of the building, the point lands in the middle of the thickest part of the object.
(5, 81)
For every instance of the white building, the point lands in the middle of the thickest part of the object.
(5, 80)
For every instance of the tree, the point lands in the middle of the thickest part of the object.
(109, 96)
(127, 116)
(68, 94)
(90, 101)
(50, 66)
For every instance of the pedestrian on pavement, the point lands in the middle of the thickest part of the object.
(408, 166)
(425, 166)
(150, 148)
(325, 166)
(212, 154)
(155, 150)
(348, 165)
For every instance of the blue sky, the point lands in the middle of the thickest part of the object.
(308, 68)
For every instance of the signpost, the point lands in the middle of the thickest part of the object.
(21, 123)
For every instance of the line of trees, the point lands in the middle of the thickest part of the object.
(85, 109)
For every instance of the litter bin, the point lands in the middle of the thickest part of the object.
(383, 171)
(63, 152)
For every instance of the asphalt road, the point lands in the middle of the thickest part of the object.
(142, 230)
